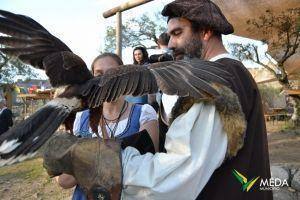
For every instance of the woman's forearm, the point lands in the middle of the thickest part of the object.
(152, 128)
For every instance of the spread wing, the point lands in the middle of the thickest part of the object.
(195, 78)
(34, 45)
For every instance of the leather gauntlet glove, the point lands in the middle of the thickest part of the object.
(95, 164)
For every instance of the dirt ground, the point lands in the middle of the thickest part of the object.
(284, 145)
(28, 180)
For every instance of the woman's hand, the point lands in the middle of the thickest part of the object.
(66, 181)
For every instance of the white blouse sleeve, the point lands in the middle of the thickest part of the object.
(196, 146)
(147, 114)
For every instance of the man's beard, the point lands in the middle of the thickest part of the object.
(191, 49)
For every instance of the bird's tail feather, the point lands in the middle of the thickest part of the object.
(23, 140)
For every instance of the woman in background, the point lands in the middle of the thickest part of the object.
(140, 57)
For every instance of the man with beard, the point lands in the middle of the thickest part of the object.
(199, 163)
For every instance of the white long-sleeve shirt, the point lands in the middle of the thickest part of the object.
(196, 146)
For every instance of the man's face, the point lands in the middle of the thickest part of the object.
(183, 41)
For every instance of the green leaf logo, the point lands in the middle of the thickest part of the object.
(246, 186)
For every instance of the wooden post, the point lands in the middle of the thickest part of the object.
(119, 35)
(8, 95)
(25, 107)
(125, 6)
(118, 10)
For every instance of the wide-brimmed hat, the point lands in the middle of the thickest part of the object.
(203, 12)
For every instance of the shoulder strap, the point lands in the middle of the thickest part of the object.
(84, 121)
(133, 124)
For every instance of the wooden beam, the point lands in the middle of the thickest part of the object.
(275, 79)
(123, 7)
(292, 92)
(119, 35)
(118, 10)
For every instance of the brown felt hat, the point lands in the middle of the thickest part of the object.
(203, 12)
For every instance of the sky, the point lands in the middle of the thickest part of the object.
(80, 24)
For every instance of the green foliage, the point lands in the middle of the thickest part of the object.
(243, 52)
(29, 180)
(269, 95)
(12, 67)
(30, 169)
(289, 127)
(136, 31)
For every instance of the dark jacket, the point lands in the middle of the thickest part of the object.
(253, 159)
(5, 120)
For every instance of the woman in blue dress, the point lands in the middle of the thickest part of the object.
(120, 119)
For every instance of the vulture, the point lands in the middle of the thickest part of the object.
(24, 38)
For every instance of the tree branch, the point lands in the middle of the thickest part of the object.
(268, 68)
(255, 48)
(295, 46)
(288, 46)
(5, 60)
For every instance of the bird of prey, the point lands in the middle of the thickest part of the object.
(26, 39)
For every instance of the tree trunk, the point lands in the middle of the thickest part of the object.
(296, 113)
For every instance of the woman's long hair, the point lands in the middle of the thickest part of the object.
(145, 55)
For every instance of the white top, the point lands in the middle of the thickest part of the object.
(223, 55)
(147, 114)
(196, 146)
(168, 102)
